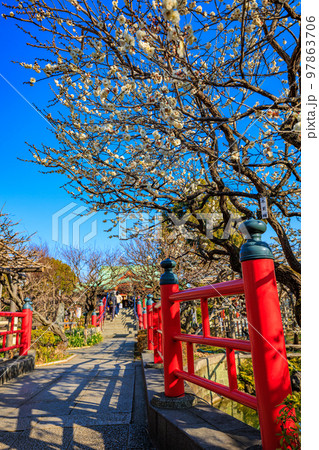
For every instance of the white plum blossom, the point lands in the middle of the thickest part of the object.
(169, 4)
(121, 19)
(173, 16)
(157, 77)
(147, 48)
(140, 34)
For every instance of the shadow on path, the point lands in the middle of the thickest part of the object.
(96, 401)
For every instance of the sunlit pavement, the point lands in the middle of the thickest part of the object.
(94, 401)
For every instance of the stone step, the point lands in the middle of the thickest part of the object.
(124, 324)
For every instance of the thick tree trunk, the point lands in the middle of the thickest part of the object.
(53, 326)
(291, 279)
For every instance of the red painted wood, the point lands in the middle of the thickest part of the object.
(233, 287)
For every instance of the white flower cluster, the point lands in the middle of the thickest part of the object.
(157, 77)
(236, 15)
(146, 48)
(140, 34)
(127, 42)
(49, 69)
(191, 38)
(256, 19)
(170, 12)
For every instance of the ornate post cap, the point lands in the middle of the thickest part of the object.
(139, 300)
(101, 303)
(27, 304)
(94, 313)
(254, 248)
(149, 300)
(168, 277)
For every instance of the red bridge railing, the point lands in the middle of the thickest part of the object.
(154, 329)
(266, 344)
(23, 334)
(98, 321)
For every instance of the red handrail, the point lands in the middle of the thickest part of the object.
(11, 314)
(220, 389)
(226, 288)
(267, 344)
(100, 318)
(154, 321)
(236, 344)
(23, 334)
(102, 312)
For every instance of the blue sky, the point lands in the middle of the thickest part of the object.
(30, 197)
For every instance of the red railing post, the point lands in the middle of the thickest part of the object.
(26, 327)
(149, 308)
(101, 311)
(205, 317)
(174, 386)
(94, 318)
(266, 333)
(139, 313)
(144, 314)
(160, 334)
(157, 335)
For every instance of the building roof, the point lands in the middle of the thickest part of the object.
(114, 276)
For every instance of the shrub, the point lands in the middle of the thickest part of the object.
(94, 339)
(291, 410)
(246, 377)
(76, 338)
(209, 349)
(50, 354)
(141, 343)
(294, 364)
(48, 347)
(291, 406)
(42, 337)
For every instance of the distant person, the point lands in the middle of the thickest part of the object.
(118, 303)
(112, 303)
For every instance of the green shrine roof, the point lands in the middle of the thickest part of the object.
(114, 276)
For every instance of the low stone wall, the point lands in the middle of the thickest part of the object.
(197, 427)
(16, 366)
(214, 367)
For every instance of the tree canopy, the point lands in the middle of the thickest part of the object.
(158, 103)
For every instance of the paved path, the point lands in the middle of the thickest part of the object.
(95, 401)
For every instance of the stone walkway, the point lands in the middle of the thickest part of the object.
(95, 401)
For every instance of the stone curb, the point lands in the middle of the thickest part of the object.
(15, 367)
(161, 401)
